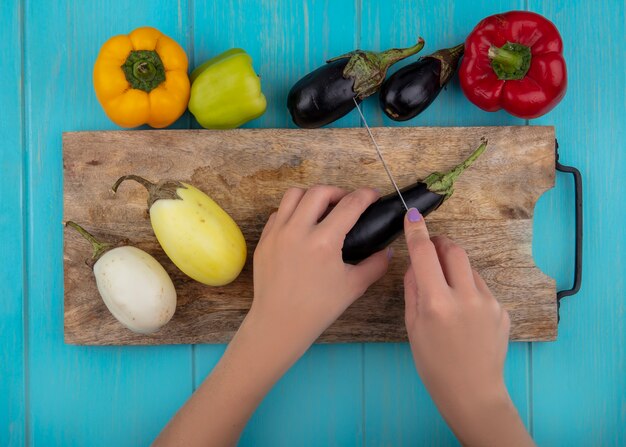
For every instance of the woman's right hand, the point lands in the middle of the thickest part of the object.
(459, 336)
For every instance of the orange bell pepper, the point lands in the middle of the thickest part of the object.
(142, 78)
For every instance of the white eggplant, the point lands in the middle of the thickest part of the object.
(134, 286)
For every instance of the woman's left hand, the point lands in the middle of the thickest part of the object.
(301, 284)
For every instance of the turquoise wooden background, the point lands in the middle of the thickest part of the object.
(571, 392)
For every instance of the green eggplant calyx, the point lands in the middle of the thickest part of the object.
(99, 248)
(511, 61)
(166, 189)
(449, 58)
(144, 70)
(443, 183)
(368, 69)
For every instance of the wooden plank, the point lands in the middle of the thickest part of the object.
(398, 409)
(319, 402)
(79, 395)
(12, 385)
(489, 214)
(579, 382)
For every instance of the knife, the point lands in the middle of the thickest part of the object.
(380, 155)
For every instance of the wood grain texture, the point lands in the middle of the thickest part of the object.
(12, 294)
(247, 171)
(579, 383)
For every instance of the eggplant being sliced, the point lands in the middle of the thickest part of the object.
(327, 93)
(383, 221)
(410, 90)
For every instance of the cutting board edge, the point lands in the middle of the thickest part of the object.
(72, 133)
(70, 339)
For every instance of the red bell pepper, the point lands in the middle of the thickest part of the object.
(514, 61)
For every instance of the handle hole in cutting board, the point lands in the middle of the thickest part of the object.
(554, 231)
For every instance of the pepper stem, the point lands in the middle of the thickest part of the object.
(99, 248)
(511, 61)
(443, 183)
(144, 70)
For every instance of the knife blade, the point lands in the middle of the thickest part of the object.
(380, 154)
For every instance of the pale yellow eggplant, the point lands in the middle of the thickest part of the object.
(200, 238)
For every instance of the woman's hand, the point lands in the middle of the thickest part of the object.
(301, 284)
(459, 335)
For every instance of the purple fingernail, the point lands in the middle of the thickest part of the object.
(389, 253)
(414, 215)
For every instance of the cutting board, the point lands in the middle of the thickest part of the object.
(247, 171)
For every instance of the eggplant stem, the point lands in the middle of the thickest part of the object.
(156, 191)
(389, 57)
(449, 60)
(458, 169)
(145, 183)
(459, 49)
(443, 183)
(368, 69)
(99, 248)
(152, 188)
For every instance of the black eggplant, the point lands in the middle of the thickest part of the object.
(328, 93)
(383, 221)
(410, 90)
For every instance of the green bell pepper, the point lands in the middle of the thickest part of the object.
(226, 92)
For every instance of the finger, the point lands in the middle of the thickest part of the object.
(410, 296)
(288, 205)
(429, 277)
(315, 203)
(370, 270)
(454, 263)
(481, 285)
(506, 321)
(268, 226)
(345, 214)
